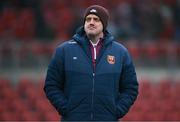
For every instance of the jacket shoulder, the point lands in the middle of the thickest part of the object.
(119, 46)
(66, 44)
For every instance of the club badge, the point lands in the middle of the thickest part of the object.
(111, 59)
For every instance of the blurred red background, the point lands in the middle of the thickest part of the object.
(30, 30)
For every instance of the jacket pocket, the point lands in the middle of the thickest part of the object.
(75, 102)
(108, 105)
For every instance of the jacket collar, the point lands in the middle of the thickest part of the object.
(81, 37)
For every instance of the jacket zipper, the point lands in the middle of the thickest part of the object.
(92, 105)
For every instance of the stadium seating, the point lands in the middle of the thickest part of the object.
(20, 47)
(26, 101)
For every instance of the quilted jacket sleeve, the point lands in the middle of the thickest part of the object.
(54, 82)
(128, 86)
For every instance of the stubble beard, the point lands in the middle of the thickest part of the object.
(94, 37)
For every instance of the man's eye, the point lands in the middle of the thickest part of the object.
(88, 19)
(96, 19)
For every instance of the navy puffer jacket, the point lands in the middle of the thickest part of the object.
(79, 93)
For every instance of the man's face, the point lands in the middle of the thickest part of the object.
(93, 25)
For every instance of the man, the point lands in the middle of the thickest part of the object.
(91, 77)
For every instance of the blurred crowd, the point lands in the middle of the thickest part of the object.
(59, 19)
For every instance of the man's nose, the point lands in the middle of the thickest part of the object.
(92, 21)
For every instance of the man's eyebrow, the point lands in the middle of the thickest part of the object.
(93, 17)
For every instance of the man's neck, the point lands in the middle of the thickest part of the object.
(95, 39)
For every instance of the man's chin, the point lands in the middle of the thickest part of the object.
(91, 33)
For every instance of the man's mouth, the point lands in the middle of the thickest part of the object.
(91, 28)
